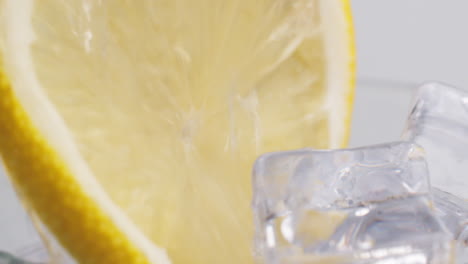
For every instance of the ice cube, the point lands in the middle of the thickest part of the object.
(453, 212)
(439, 123)
(341, 178)
(362, 205)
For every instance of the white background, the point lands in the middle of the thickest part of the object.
(400, 43)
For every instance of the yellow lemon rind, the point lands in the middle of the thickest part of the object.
(53, 192)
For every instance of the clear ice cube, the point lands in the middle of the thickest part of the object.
(362, 205)
(439, 123)
(453, 213)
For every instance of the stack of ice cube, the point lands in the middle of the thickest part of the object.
(397, 203)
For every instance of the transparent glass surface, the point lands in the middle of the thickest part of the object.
(380, 111)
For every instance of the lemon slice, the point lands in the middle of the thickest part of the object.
(130, 127)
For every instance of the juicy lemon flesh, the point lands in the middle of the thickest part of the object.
(170, 101)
